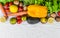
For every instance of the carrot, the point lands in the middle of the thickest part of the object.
(18, 14)
(3, 10)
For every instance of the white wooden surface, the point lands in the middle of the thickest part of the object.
(26, 30)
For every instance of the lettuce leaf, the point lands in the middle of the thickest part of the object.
(26, 2)
(4, 1)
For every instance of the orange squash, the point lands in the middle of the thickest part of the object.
(37, 11)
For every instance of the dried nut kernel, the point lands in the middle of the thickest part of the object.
(25, 8)
(20, 4)
(3, 19)
(53, 15)
(50, 20)
(16, 2)
(57, 18)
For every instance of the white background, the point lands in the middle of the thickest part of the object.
(25, 30)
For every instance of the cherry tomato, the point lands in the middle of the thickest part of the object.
(18, 17)
(59, 13)
(19, 21)
(7, 11)
(20, 9)
(7, 4)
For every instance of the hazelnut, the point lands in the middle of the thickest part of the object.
(57, 19)
(53, 15)
(16, 2)
(20, 4)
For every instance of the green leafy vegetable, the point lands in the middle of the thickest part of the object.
(36, 2)
(58, 5)
(26, 2)
(4, 1)
(50, 7)
(31, 1)
(55, 6)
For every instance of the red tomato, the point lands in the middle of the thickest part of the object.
(20, 9)
(7, 11)
(18, 17)
(59, 13)
(19, 21)
(7, 4)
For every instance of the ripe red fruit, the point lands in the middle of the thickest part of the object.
(7, 4)
(7, 11)
(10, 3)
(19, 21)
(20, 9)
(58, 13)
(18, 17)
(20, 4)
(6, 8)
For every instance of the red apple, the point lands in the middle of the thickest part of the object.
(58, 13)
(20, 9)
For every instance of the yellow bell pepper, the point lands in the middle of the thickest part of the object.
(37, 11)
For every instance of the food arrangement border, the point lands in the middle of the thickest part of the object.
(32, 11)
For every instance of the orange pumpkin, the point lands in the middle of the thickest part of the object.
(37, 11)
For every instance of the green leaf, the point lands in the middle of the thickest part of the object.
(50, 9)
(9, 0)
(55, 8)
(46, 4)
(3, 1)
(39, 1)
(36, 2)
(26, 2)
(59, 5)
(31, 1)
(20, 0)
